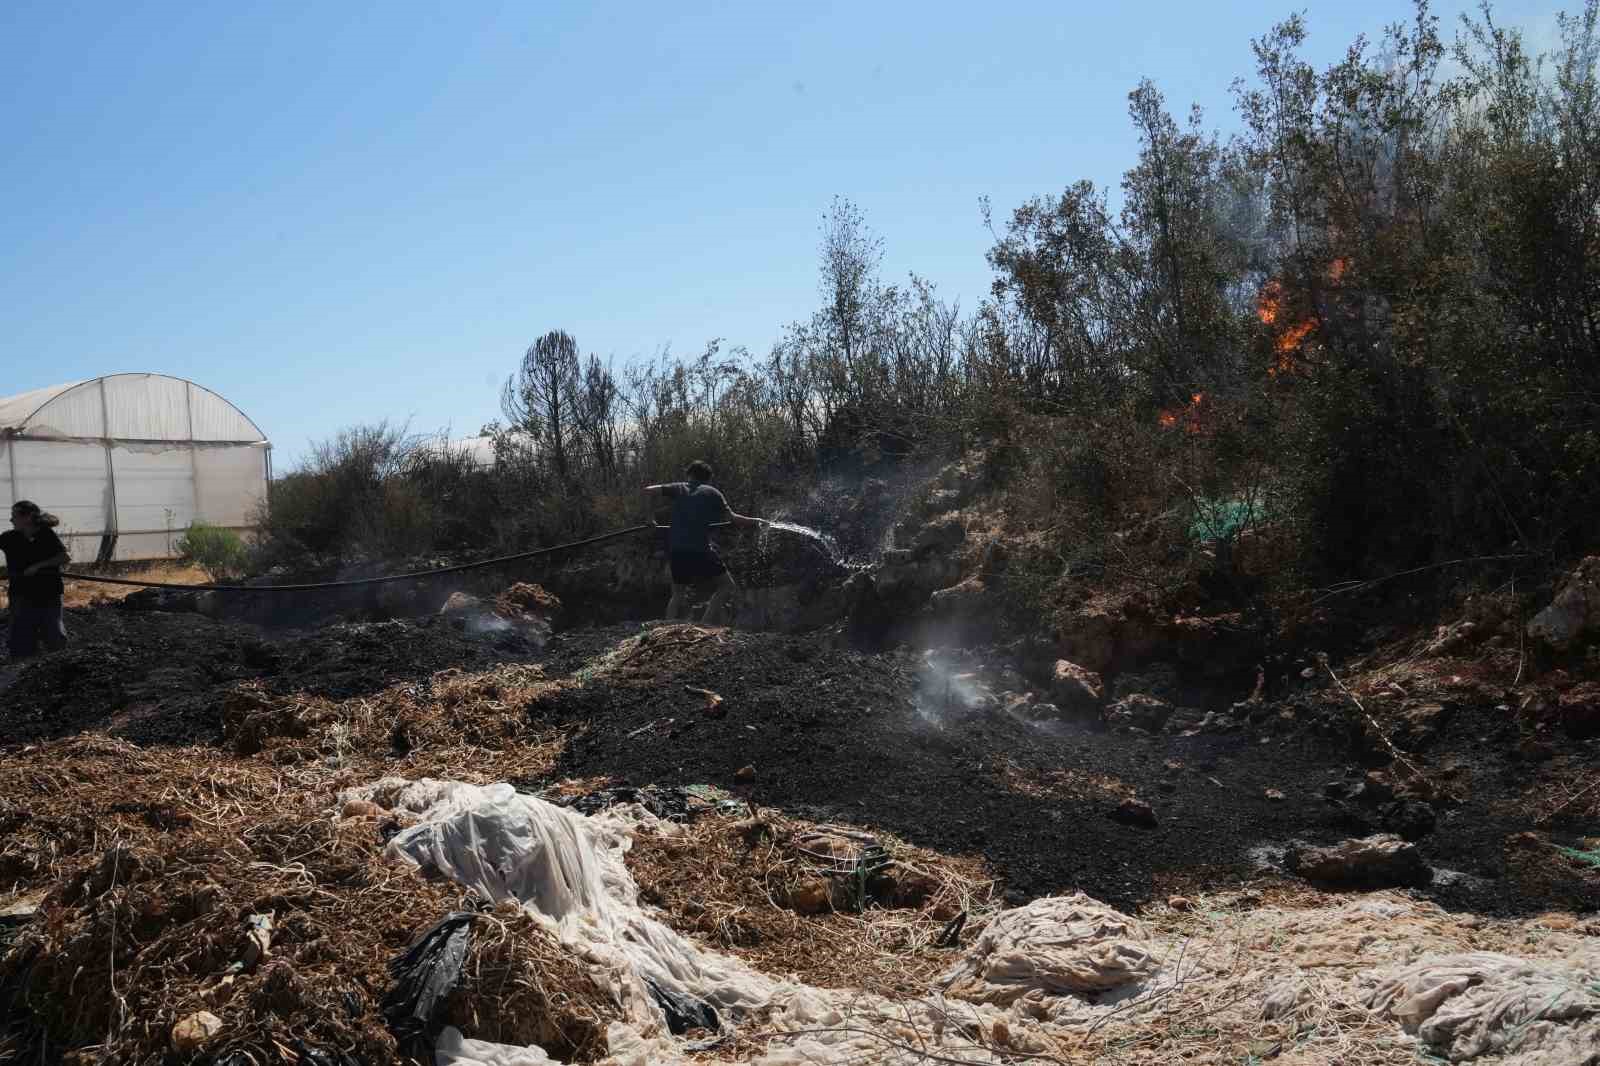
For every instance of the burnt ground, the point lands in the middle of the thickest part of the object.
(840, 735)
(155, 677)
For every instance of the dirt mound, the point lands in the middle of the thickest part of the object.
(159, 678)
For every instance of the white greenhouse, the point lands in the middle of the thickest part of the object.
(129, 460)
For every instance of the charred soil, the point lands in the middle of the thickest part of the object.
(836, 735)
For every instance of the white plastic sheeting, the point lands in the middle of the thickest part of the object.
(134, 456)
(1036, 980)
(1537, 1012)
(567, 871)
(1051, 948)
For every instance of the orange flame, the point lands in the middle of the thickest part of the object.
(1269, 309)
(1269, 303)
(1189, 416)
(1295, 336)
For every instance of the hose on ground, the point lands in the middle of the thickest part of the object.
(320, 585)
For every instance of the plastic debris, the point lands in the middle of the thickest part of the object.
(425, 975)
(683, 1012)
(679, 804)
(195, 1031)
(258, 945)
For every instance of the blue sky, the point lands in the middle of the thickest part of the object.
(336, 213)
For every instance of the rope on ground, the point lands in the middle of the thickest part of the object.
(1377, 729)
(318, 586)
(1344, 587)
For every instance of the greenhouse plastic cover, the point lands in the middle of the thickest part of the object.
(142, 407)
(140, 455)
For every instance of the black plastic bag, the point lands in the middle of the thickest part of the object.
(317, 1056)
(425, 975)
(670, 804)
(683, 1012)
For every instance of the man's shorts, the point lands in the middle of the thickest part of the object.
(692, 568)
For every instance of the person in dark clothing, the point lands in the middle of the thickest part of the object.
(34, 558)
(697, 506)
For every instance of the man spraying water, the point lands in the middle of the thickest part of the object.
(697, 505)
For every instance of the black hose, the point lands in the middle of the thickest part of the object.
(481, 564)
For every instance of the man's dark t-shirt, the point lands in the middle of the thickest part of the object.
(43, 589)
(695, 509)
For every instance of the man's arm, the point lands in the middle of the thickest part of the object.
(734, 517)
(666, 489)
(58, 560)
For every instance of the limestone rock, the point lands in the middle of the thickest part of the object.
(461, 603)
(1575, 610)
(1075, 689)
(1372, 862)
(1139, 711)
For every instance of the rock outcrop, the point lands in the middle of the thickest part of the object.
(1381, 861)
(1574, 613)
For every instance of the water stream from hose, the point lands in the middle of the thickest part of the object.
(824, 542)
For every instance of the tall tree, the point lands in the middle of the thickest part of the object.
(541, 398)
(1172, 198)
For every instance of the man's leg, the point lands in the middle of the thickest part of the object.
(726, 587)
(53, 627)
(22, 639)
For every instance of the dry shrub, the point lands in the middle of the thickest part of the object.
(520, 986)
(731, 884)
